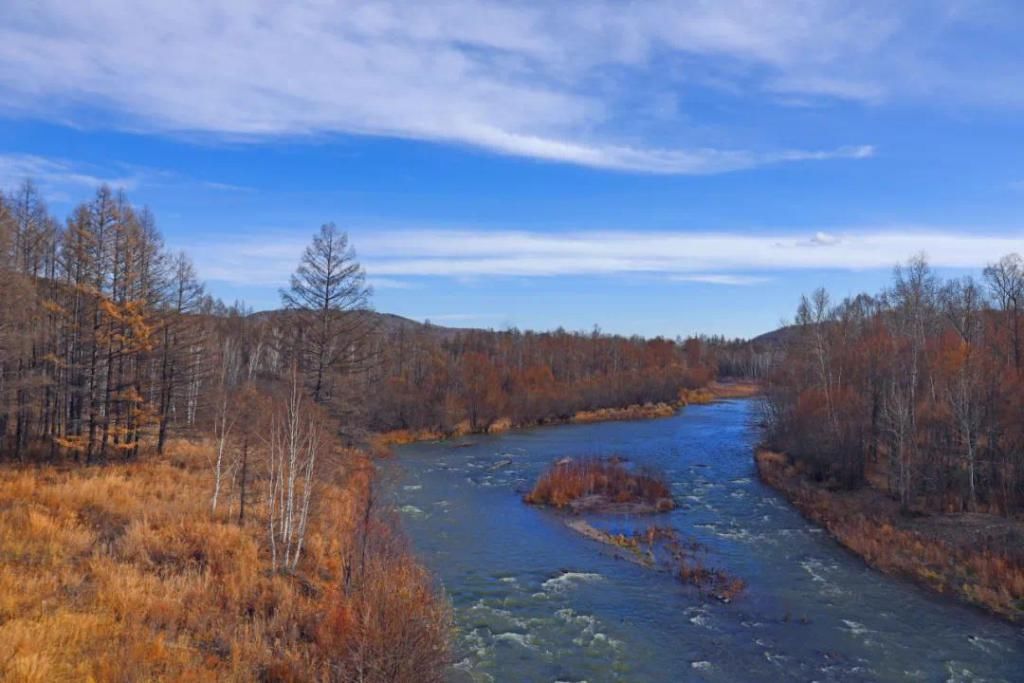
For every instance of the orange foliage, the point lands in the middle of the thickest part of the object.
(633, 412)
(604, 481)
(869, 524)
(121, 573)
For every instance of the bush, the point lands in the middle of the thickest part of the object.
(600, 482)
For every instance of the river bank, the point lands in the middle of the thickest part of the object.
(123, 572)
(716, 391)
(977, 558)
(537, 600)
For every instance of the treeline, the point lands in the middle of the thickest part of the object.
(108, 349)
(108, 339)
(917, 390)
(98, 336)
(426, 380)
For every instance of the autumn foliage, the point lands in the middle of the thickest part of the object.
(917, 391)
(975, 558)
(452, 382)
(600, 483)
(121, 573)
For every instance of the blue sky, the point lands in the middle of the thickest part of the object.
(657, 168)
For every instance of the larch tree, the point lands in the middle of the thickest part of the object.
(330, 299)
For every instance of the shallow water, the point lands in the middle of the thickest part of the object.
(534, 601)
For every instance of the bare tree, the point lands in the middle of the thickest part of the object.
(297, 445)
(964, 302)
(913, 301)
(1006, 282)
(330, 298)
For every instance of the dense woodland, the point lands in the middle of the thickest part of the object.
(917, 390)
(477, 378)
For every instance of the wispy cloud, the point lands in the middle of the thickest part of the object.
(721, 279)
(225, 187)
(58, 174)
(390, 283)
(64, 179)
(550, 81)
(711, 257)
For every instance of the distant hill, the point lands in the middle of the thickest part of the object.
(776, 338)
(387, 323)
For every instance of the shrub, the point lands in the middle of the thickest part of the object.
(603, 481)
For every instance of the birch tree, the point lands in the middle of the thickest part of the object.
(296, 448)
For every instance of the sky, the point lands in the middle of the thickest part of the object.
(657, 168)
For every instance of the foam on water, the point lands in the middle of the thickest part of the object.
(568, 579)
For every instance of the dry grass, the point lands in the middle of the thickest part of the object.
(920, 549)
(663, 549)
(717, 391)
(120, 573)
(736, 389)
(644, 411)
(401, 437)
(601, 484)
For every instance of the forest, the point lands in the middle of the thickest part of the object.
(917, 390)
(107, 339)
(160, 442)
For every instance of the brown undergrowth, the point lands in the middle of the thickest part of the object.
(643, 411)
(601, 484)
(715, 391)
(121, 573)
(963, 555)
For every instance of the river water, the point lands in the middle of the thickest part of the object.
(534, 601)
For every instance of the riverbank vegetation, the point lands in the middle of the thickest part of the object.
(112, 355)
(180, 498)
(453, 383)
(979, 558)
(916, 394)
(664, 549)
(124, 572)
(603, 485)
(107, 337)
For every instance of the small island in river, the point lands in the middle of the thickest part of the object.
(601, 485)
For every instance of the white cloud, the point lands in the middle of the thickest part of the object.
(54, 175)
(551, 81)
(711, 257)
(721, 279)
(824, 238)
(390, 283)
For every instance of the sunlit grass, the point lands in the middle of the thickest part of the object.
(606, 480)
(121, 573)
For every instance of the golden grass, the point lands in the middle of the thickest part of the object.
(868, 526)
(737, 389)
(601, 484)
(120, 573)
(633, 412)
(717, 391)
(401, 437)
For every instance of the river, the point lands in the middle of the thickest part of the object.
(534, 601)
